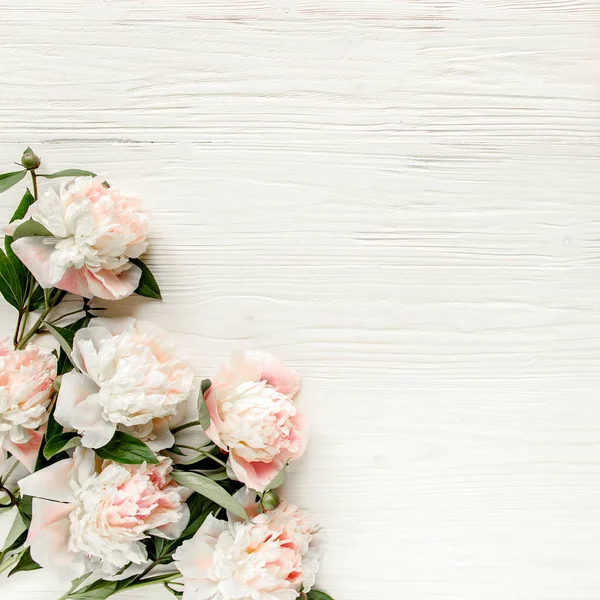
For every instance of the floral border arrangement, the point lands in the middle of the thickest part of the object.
(126, 489)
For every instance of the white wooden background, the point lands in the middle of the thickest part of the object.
(400, 198)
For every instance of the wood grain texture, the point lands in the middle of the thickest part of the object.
(400, 198)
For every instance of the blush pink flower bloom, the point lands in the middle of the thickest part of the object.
(254, 417)
(91, 515)
(271, 557)
(131, 379)
(26, 378)
(95, 232)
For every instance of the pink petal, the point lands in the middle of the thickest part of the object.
(115, 325)
(299, 434)
(216, 424)
(74, 389)
(87, 418)
(35, 255)
(247, 498)
(75, 281)
(284, 379)
(256, 475)
(44, 513)
(172, 531)
(108, 285)
(51, 483)
(27, 453)
(51, 550)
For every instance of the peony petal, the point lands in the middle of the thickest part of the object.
(284, 379)
(108, 285)
(44, 513)
(86, 344)
(247, 498)
(115, 325)
(256, 475)
(35, 255)
(27, 453)
(172, 531)
(75, 281)
(51, 483)
(163, 437)
(87, 419)
(51, 550)
(299, 435)
(74, 389)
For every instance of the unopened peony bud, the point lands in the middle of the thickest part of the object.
(29, 159)
(270, 500)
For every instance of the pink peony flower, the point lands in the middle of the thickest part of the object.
(26, 378)
(254, 417)
(91, 515)
(95, 231)
(131, 378)
(271, 557)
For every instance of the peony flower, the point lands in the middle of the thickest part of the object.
(131, 379)
(92, 515)
(254, 417)
(26, 378)
(271, 557)
(95, 231)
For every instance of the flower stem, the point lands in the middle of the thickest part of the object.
(25, 340)
(204, 453)
(185, 426)
(34, 182)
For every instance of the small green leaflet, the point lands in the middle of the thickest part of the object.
(68, 173)
(60, 442)
(10, 284)
(26, 563)
(60, 337)
(147, 286)
(203, 416)
(19, 526)
(210, 489)
(31, 228)
(23, 207)
(316, 595)
(278, 480)
(125, 449)
(7, 180)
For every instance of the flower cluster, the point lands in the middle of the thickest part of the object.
(132, 465)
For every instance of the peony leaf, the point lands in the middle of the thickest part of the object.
(317, 595)
(10, 286)
(61, 334)
(26, 563)
(7, 180)
(60, 442)
(23, 207)
(19, 527)
(31, 228)
(127, 450)
(203, 416)
(209, 489)
(278, 480)
(147, 286)
(68, 173)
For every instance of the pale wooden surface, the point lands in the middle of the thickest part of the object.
(400, 198)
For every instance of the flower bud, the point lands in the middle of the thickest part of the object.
(29, 160)
(270, 500)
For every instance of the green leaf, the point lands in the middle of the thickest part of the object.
(125, 449)
(68, 173)
(26, 563)
(316, 595)
(19, 526)
(38, 299)
(68, 333)
(7, 180)
(278, 480)
(99, 590)
(60, 442)
(53, 428)
(10, 284)
(23, 207)
(219, 476)
(31, 228)
(175, 593)
(147, 286)
(203, 416)
(61, 334)
(209, 489)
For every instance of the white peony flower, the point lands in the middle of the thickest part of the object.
(26, 378)
(271, 557)
(131, 379)
(95, 232)
(254, 416)
(91, 515)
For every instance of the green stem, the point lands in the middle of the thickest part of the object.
(185, 426)
(30, 289)
(204, 453)
(9, 473)
(73, 312)
(18, 328)
(34, 181)
(25, 340)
